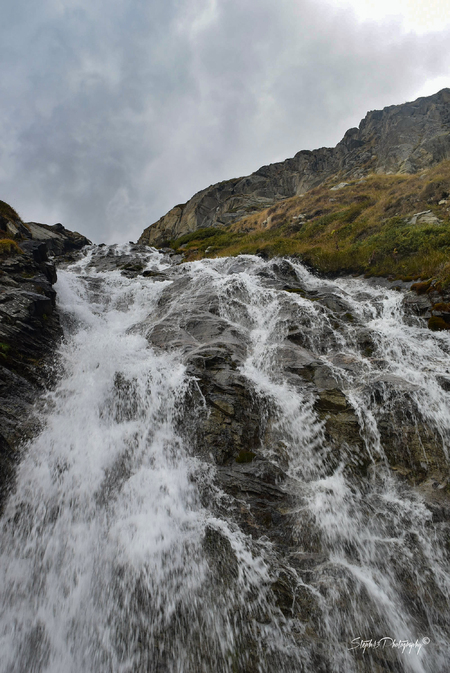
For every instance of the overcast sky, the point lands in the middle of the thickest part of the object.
(113, 111)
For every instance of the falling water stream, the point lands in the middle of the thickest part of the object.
(105, 544)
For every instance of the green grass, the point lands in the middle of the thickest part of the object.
(211, 239)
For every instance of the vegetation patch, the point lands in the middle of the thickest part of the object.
(8, 212)
(437, 324)
(205, 242)
(9, 248)
(421, 288)
(442, 307)
(245, 456)
(366, 228)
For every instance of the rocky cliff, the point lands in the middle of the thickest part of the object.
(398, 139)
(29, 324)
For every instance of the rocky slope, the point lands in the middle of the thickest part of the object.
(29, 325)
(398, 139)
(394, 226)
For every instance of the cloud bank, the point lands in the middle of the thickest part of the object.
(114, 112)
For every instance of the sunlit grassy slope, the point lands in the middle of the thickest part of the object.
(365, 227)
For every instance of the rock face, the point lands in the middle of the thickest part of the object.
(58, 239)
(29, 328)
(400, 138)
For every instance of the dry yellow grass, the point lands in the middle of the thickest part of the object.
(8, 212)
(365, 227)
(8, 248)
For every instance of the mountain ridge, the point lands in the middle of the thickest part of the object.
(403, 138)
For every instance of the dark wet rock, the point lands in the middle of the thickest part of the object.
(444, 382)
(221, 555)
(347, 362)
(298, 360)
(391, 381)
(258, 479)
(29, 331)
(325, 379)
(159, 275)
(285, 272)
(419, 305)
(365, 342)
(57, 238)
(230, 423)
(412, 448)
(297, 336)
(333, 302)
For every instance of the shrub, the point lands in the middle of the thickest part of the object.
(421, 288)
(9, 248)
(437, 324)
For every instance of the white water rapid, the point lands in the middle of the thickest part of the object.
(121, 551)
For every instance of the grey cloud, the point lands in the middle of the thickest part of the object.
(111, 114)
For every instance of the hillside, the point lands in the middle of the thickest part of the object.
(380, 225)
(404, 139)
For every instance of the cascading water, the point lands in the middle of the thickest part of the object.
(242, 469)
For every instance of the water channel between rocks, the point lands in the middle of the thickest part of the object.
(243, 469)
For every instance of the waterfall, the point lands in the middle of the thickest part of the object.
(242, 468)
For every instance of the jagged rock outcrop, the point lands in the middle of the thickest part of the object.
(29, 327)
(58, 239)
(400, 138)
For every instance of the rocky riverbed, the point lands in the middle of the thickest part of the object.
(256, 459)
